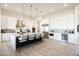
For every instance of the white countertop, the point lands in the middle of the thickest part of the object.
(26, 34)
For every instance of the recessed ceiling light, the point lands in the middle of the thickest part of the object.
(5, 5)
(65, 4)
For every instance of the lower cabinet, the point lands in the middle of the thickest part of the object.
(5, 36)
(55, 36)
(13, 41)
(72, 38)
(51, 37)
(11, 38)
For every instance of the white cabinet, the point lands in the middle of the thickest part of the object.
(62, 22)
(11, 38)
(4, 23)
(51, 37)
(5, 36)
(8, 23)
(11, 23)
(72, 38)
(57, 36)
(13, 41)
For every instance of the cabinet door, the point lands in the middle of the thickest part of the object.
(8, 23)
(13, 41)
(71, 38)
(11, 23)
(51, 37)
(5, 36)
(4, 23)
(57, 36)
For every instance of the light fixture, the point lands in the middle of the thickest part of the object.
(31, 11)
(23, 15)
(20, 21)
(5, 5)
(65, 4)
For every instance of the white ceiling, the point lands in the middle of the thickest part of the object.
(43, 8)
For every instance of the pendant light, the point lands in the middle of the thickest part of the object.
(31, 11)
(18, 21)
(22, 22)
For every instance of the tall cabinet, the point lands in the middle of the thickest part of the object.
(7, 23)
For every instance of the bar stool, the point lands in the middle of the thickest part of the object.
(31, 39)
(42, 35)
(38, 37)
(22, 40)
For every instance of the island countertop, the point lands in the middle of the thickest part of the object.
(26, 34)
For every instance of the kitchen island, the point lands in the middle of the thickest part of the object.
(27, 39)
(12, 38)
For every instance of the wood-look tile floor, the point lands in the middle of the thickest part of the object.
(5, 49)
(49, 48)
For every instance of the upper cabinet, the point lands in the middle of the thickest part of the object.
(3, 23)
(8, 23)
(62, 22)
(12, 23)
